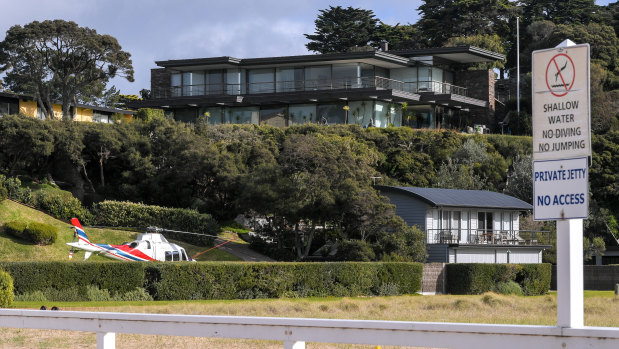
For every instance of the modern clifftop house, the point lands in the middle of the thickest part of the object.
(11, 103)
(468, 226)
(366, 88)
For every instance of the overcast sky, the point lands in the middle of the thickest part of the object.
(154, 30)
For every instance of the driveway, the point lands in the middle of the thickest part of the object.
(242, 251)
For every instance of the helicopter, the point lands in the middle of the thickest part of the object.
(150, 246)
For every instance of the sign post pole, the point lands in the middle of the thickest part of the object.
(570, 306)
(561, 148)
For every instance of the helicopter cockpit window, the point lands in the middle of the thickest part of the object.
(172, 256)
(183, 255)
(133, 244)
(148, 244)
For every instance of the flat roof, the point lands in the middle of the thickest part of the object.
(459, 54)
(440, 197)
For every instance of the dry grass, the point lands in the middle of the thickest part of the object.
(487, 308)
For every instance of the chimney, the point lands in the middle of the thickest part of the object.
(384, 45)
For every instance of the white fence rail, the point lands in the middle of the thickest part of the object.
(295, 332)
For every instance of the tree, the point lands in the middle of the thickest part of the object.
(60, 60)
(443, 19)
(519, 180)
(340, 29)
(400, 36)
(558, 12)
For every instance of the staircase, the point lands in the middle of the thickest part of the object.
(433, 278)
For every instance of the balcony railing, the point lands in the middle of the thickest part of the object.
(307, 85)
(487, 237)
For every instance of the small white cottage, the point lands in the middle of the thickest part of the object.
(468, 226)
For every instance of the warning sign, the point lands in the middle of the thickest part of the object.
(560, 74)
(561, 116)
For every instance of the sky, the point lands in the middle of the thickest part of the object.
(153, 30)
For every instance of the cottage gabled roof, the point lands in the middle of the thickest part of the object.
(439, 197)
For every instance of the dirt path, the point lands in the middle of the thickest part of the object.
(242, 251)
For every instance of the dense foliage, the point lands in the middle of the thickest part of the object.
(312, 183)
(465, 278)
(179, 281)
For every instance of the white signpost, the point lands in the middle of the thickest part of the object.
(561, 147)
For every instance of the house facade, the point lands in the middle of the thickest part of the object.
(468, 226)
(11, 103)
(426, 88)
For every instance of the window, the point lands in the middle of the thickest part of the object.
(301, 114)
(345, 75)
(175, 83)
(214, 82)
(274, 117)
(261, 81)
(172, 256)
(289, 79)
(318, 77)
(242, 115)
(484, 221)
(331, 114)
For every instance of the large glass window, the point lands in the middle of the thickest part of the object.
(101, 117)
(331, 114)
(360, 113)
(318, 77)
(289, 79)
(367, 75)
(424, 77)
(420, 116)
(261, 81)
(193, 84)
(242, 115)
(346, 75)
(214, 116)
(273, 116)
(302, 114)
(175, 83)
(235, 81)
(188, 115)
(437, 80)
(386, 114)
(214, 82)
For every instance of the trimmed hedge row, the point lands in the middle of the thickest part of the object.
(183, 281)
(471, 278)
(68, 281)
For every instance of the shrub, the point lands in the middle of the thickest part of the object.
(15, 228)
(533, 279)
(355, 250)
(62, 205)
(36, 296)
(97, 295)
(509, 287)
(6, 289)
(3, 193)
(137, 295)
(41, 233)
(129, 214)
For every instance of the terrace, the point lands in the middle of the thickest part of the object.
(487, 237)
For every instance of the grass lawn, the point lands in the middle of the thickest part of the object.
(487, 308)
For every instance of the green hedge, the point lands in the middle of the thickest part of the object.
(469, 278)
(62, 205)
(129, 214)
(69, 281)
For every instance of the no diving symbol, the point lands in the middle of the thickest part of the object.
(560, 74)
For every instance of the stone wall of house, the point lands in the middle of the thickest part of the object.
(160, 83)
(480, 85)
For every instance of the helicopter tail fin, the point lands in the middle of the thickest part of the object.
(79, 231)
